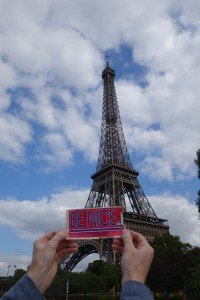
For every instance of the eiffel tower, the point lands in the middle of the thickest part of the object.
(115, 183)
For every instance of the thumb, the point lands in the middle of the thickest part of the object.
(58, 237)
(127, 239)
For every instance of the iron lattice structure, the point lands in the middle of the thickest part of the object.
(115, 183)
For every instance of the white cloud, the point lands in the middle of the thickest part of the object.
(30, 218)
(45, 58)
(51, 47)
(21, 261)
(7, 75)
(158, 168)
(15, 134)
(33, 45)
(181, 215)
(69, 126)
(162, 122)
(55, 151)
(129, 22)
(81, 132)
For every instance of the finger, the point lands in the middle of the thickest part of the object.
(47, 236)
(58, 237)
(66, 242)
(64, 245)
(118, 239)
(118, 242)
(50, 235)
(138, 239)
(65, 252)
(127, 239)
(118, 248)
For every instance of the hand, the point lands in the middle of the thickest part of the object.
(137, 255)
(47, 252)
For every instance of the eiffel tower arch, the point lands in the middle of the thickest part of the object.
(115, 183)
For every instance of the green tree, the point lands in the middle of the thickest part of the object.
(197, 162)
(57, 289)
(5, 285)
(176, 266)
(192, 276)
(7, 282)
(96, 267)
(108, 275)
(166, 275)
(17, 275)
(84, 283)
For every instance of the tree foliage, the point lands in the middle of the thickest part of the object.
(17, 275)
(176, 267)
(109, 276)
(99, 279)
(5, 285)
(192, 276)
(7, 282)
(57, 289)
(197, 162)
(168, 265)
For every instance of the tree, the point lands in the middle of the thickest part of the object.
(96, 267)
(98, 279)
(17, 275)
(192, 276)
(197, 162)
(167, 272)
(84, 283)
(108, 275)
(57, 289)
(5, 285)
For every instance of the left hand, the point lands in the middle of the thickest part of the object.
(47, 253)
(137, 255)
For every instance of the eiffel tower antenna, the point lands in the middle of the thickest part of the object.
(115, 182)
(107, 60)
(107, 57)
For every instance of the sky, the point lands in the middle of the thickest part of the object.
(52, 53)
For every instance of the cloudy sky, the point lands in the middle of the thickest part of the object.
(52, 53)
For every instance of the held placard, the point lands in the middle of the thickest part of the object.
(95, 222)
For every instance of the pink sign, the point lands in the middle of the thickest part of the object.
(95, 222)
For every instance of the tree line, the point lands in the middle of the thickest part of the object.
(175, 271)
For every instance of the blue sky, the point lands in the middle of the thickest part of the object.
(51, 57)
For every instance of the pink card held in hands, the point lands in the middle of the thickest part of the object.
(95, 222)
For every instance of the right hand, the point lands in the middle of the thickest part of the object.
(48, 250)
(137, 255)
